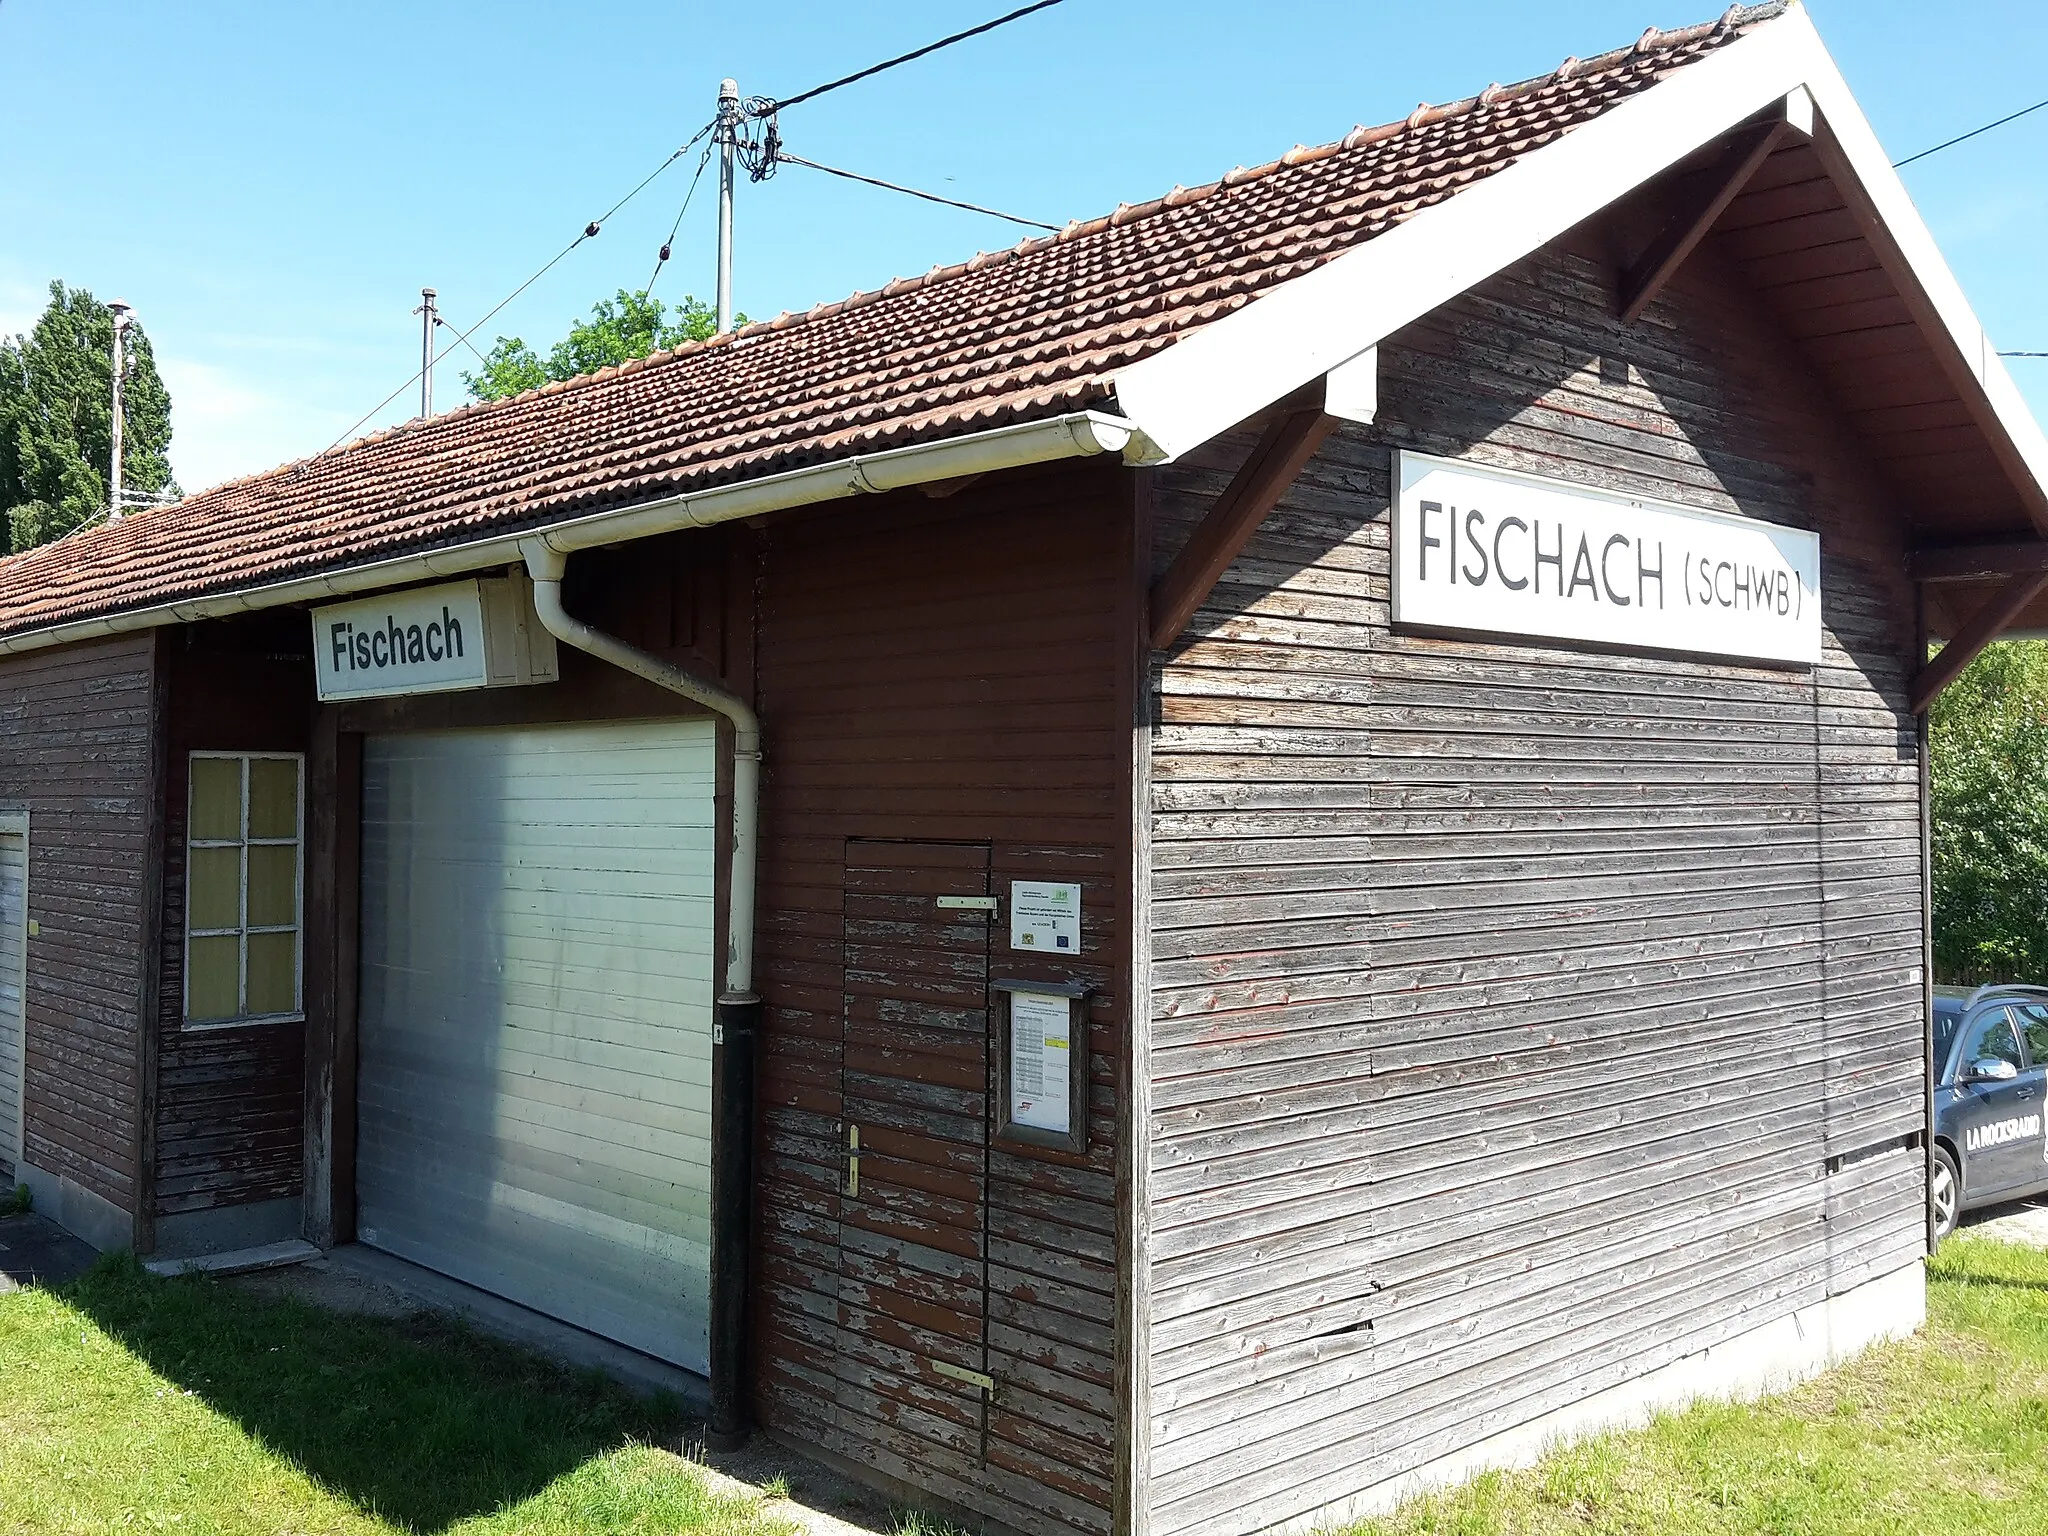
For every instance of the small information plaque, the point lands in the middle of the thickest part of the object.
(1045, 917)
(1044, 1064)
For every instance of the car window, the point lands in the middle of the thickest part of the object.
(1946, 1022)
(1993, 1036)
(2033, 1022)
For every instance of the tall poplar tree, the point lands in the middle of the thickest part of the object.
(56, 420)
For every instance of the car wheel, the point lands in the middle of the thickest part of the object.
(1944, 1193)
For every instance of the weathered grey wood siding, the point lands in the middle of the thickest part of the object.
(78, 751)
(950, 672)
(1510, 1002)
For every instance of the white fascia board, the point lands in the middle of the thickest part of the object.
(1887, 193)
(1184, 396)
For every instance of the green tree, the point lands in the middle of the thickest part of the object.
(618, 330)
(56, 420)
(1988, 735)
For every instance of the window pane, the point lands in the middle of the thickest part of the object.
(213, 989)
(216, 797)
(216, 888)
(273, 797)
(273, 885)
(273, 972)
(1996, 1039)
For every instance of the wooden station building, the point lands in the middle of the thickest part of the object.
(1169, 880)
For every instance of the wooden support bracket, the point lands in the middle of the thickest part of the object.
(1289, 442)
(1646, 279)
(1977, 562)
(1983, 627)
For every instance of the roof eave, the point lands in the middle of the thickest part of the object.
(1226, 372)
(1018, 445)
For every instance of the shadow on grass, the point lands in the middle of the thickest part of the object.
(419, 1421)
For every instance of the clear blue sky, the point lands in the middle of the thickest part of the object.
(271, 185)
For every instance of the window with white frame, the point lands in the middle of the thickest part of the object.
(244, 852)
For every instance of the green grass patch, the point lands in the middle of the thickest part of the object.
(1943, 1433)
(132, 1402)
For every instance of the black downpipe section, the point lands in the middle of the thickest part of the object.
(732, 1213)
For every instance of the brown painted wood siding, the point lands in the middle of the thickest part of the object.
(951, 671)
(1509, 1002)
(78, 752)
(229, 1119)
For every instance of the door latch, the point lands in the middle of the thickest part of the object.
(852, 1160)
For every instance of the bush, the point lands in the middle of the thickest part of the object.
(1989, 760)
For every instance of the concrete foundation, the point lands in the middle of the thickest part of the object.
(1779, 1354)
(76, 1209)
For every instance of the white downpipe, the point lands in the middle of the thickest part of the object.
(546, 566)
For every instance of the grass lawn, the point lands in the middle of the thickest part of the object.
(1943, 1433)
(133, 1403)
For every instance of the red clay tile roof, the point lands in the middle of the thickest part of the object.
(1033, 331)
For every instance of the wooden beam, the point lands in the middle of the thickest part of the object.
(1983, 627)
(1977, 562)
(1289, 442)
(939, 490)
(1646, 279)
(1952, 353)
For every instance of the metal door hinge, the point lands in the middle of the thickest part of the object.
(853, 1160)
(967, 903)
(972, 1378)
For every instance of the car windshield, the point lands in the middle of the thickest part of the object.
(1948, 1017)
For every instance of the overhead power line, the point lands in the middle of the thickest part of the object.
(776, 104)
(590, 231)
(786, 157)
(2023, 354)
(2010, 117)
(667, 245)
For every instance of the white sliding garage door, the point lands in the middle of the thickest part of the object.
(534, 1092)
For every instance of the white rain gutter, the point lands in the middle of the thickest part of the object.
(546, 566)
(1079, 434)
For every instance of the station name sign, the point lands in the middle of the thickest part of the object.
(463, 634)
(1490, 552)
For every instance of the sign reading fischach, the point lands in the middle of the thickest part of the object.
(463, 634)
(1489, 552)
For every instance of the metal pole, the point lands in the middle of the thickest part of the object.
(426, 314)
(121, 314)
(728, 140)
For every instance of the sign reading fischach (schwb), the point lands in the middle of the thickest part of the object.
(1487, 551)
(462, 634)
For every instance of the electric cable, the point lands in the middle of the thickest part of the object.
(662, 259)
(590, 231)
(444, 325)
(930, 197)
(1951, 143)
(2023, 354)
(770, 105)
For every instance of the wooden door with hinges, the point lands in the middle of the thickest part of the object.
(912, 1381)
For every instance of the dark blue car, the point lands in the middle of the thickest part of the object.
(1990, 1068)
